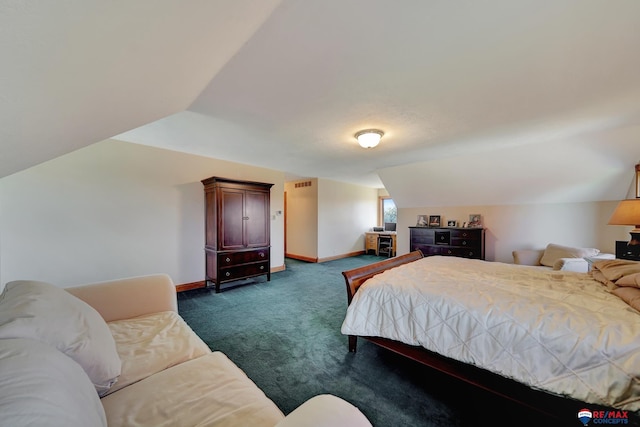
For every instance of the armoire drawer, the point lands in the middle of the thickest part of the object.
(243, 270)
(242, 257)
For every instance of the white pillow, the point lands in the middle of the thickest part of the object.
(554, 252)
(40, 386)
(46, 313)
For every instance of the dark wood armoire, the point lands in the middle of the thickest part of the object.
(237, 230)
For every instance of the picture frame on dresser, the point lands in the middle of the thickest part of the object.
(452, 223)
(422, 221)
(434, 220)
(475, 220)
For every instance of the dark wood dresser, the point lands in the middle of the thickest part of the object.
(460, 242)
(237, 230)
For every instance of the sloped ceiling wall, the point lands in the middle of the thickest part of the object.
(495, 102)
(75, 72)
(550, 172)
(492, 102)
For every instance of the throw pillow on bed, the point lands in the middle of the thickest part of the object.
(46, 313)
(40, 386)
(632, 280)
(554, 252)
(629, 295)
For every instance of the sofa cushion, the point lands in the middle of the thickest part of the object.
(208, 391)
(40, 386)
(553, 253)
(325, 410)
(44, 312)
(152, 343)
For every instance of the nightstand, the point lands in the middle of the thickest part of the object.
(623, 253)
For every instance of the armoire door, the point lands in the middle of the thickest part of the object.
(256, 218)
(231, 222)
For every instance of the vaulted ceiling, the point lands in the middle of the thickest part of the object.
(492, 102)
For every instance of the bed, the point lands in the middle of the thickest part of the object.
(545, 339)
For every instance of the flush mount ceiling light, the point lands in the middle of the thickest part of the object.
(369, 138)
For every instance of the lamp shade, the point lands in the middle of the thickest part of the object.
(369, 138)
(627, 213)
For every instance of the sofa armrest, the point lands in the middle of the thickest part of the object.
(325, 410)
(130, 297)
(527, 256)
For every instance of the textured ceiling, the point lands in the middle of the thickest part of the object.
(491, 102)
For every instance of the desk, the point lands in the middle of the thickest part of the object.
(371, 241)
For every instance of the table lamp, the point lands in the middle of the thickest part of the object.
(628, 213)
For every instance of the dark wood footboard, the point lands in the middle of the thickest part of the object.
(542, 402)
(356, 277)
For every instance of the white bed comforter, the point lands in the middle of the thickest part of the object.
(559, 332)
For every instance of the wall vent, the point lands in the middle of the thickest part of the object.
(303, 184)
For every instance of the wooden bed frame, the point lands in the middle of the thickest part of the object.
(539, 401)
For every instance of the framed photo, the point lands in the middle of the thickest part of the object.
(422, 221)
(434, 220)
(452, 223)
(475, 220)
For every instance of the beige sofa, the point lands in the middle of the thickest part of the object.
(118, 354)
(559, 257)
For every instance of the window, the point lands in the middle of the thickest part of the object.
(388, 211)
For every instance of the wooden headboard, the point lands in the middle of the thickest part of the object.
(356, 277)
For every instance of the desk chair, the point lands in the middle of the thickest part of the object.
(385, 245)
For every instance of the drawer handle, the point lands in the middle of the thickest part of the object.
(228, 259)
(262, 267)
(464, 234)
(464, 243)
(262, 254)
(228, 274)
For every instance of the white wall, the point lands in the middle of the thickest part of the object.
(116, 209)
(346, 211)
(512, 227)
(302, 218)
(328, 218)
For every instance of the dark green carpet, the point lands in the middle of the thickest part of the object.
(285, 334)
